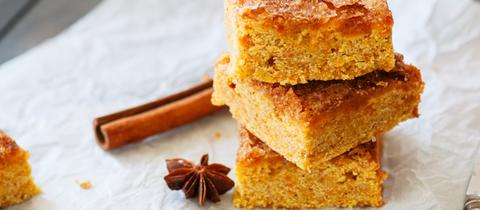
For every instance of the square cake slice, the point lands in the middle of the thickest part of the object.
(291, 42)
(266, 180)
(16, 184)
(321, 119)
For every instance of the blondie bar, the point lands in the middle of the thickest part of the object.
(265, 179)
(321, 119)
(16, 184)
(291, 42)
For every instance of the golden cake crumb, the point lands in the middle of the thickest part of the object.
(206, 77)
(218, 135)
(86, 185)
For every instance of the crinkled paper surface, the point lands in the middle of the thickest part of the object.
(126, 53)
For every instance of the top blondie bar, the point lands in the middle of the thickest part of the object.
(294, 41)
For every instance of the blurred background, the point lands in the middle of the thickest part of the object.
(26, 23)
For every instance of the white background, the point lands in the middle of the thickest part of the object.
(129, 52)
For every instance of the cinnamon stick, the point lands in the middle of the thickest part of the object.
(135, 124)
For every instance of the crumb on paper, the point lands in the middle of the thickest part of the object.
(86, 185)
(218, 135)
(206, 77)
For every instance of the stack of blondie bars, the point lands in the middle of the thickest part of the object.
(313, 84)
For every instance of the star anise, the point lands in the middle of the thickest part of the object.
(204, 180)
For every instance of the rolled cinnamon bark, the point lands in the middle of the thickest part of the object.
(135, 124)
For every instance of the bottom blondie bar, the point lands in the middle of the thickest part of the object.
(266, 180)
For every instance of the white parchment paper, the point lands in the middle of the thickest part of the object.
(127, 52)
